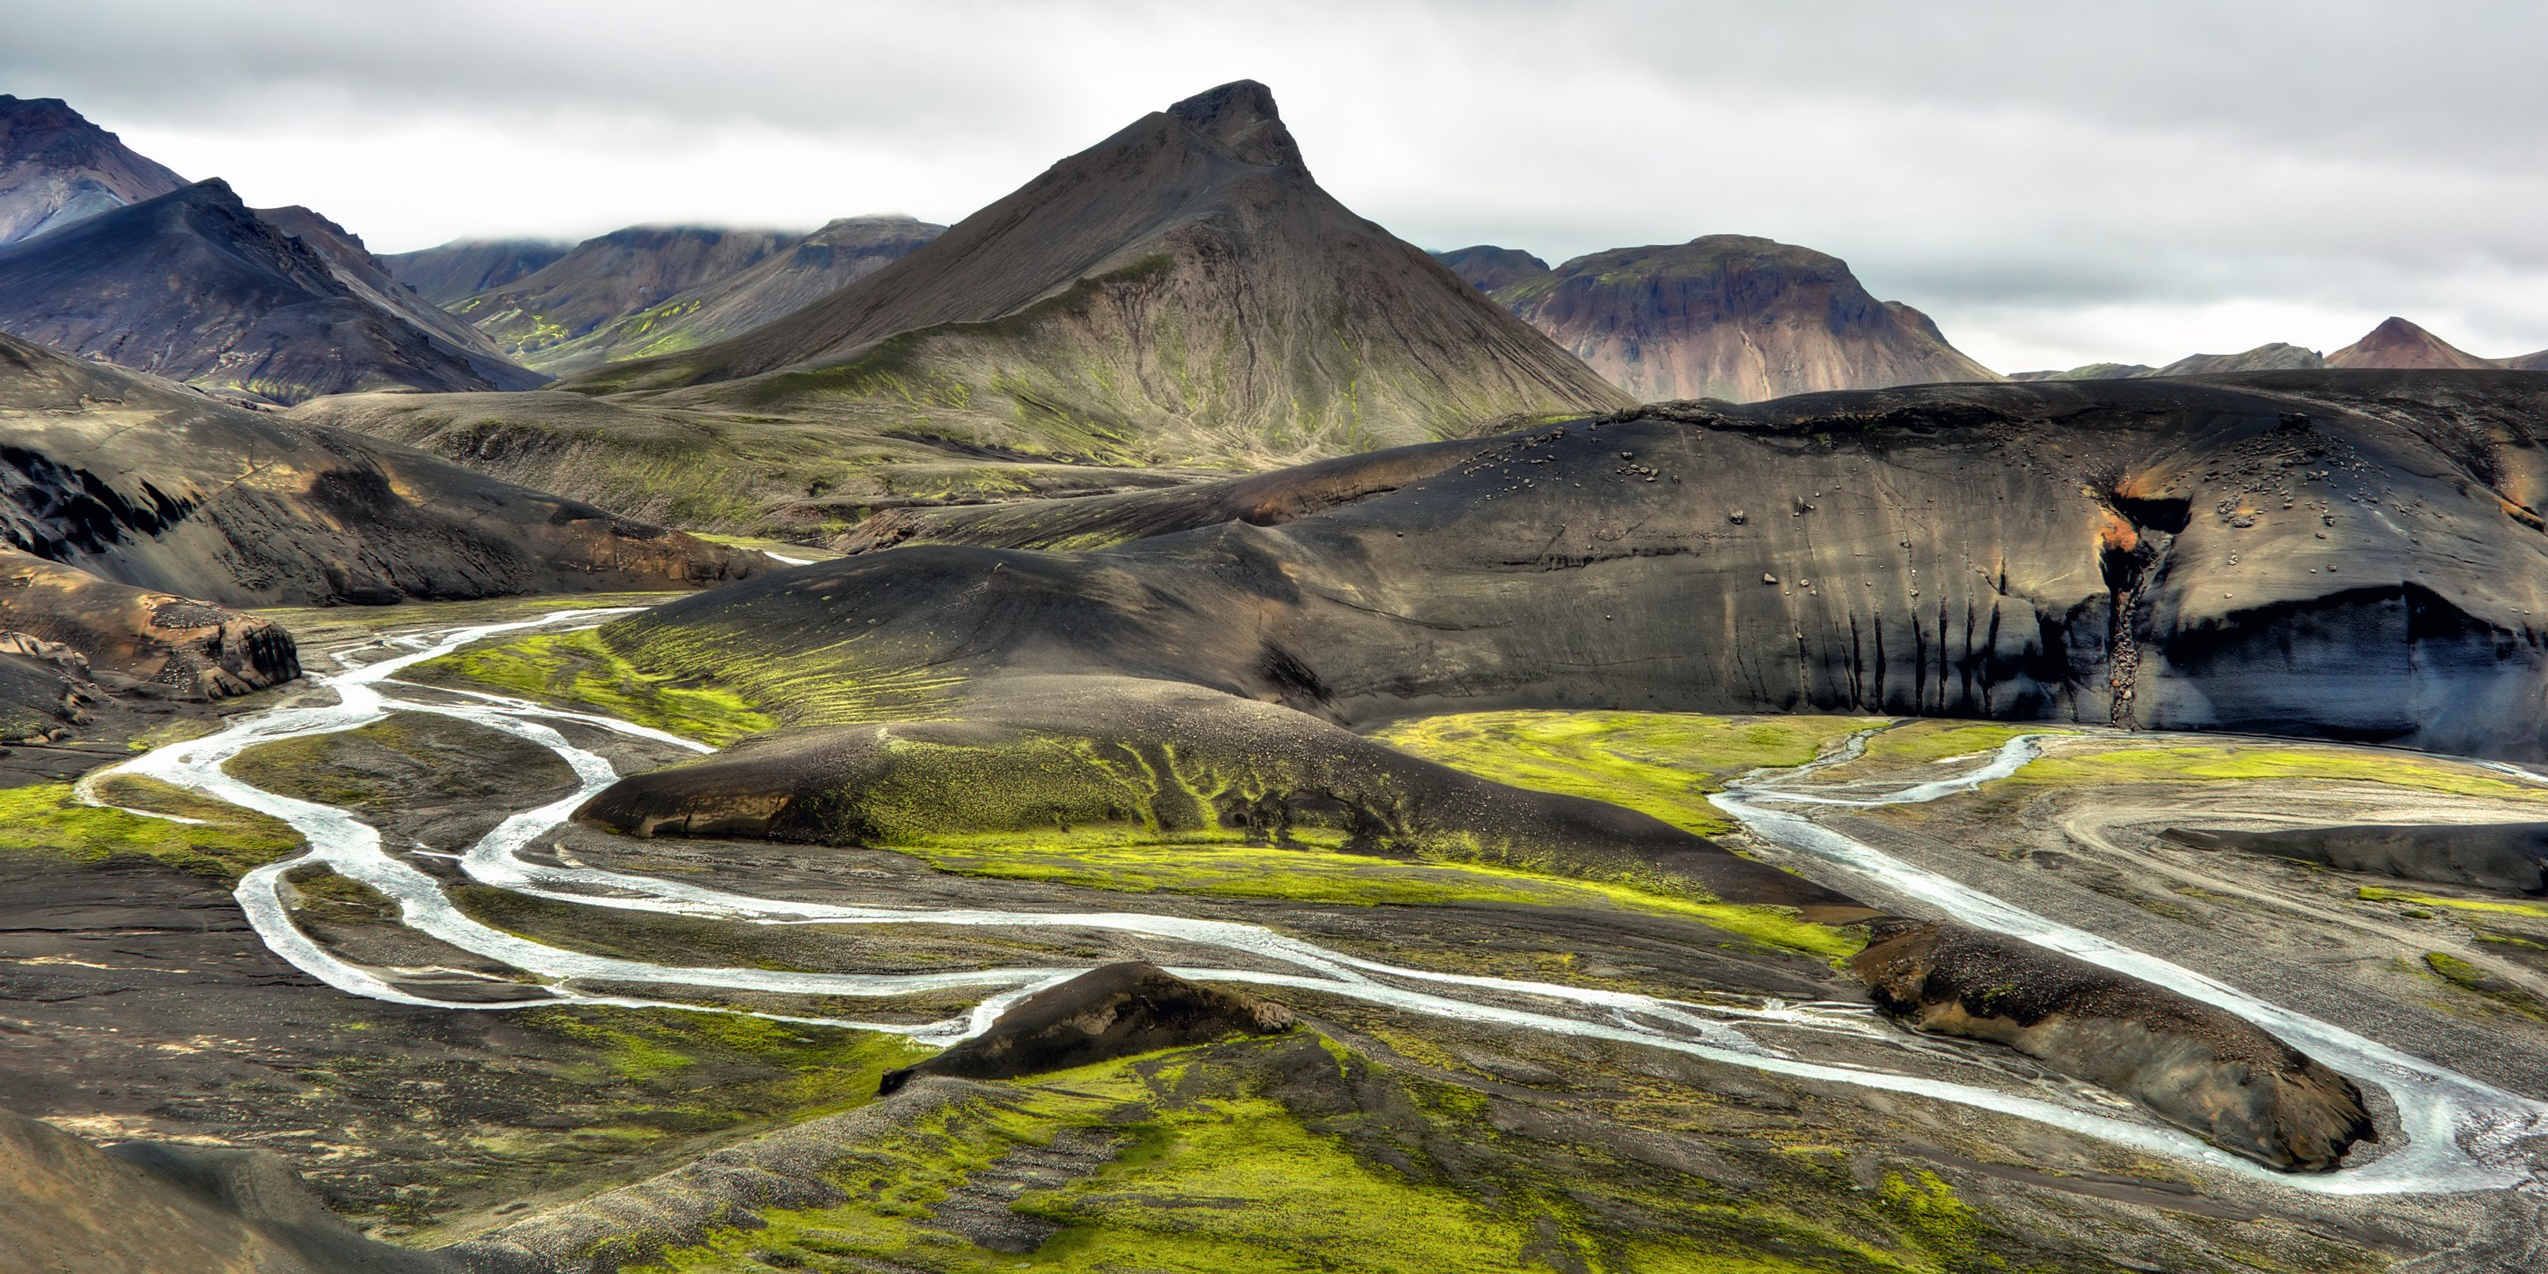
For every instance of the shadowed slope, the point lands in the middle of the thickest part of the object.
(465, 267)
(57, 168)
(608, 278)
(194, 286)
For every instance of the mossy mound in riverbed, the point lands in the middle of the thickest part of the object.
(1058, 754)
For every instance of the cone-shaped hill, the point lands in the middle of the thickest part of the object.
(194, 286)
(1183, 290)
(57, 168)
(2397, 343)
(1734, 317)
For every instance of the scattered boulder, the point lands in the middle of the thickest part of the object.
(2194, 1065)
(1116, 1010)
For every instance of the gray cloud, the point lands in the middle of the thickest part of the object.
(2054, 182)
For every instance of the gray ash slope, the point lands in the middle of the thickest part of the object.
(2348, 555)
(57, 168)
(194, 286)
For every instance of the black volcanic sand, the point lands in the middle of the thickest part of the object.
(2506, 857)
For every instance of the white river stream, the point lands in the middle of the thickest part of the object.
(2460, 1133)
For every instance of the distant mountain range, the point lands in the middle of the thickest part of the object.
(1723, 316)
(2395, 344)
(607, 278)
(465, 267)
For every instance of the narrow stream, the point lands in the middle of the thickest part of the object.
(2461, 1134)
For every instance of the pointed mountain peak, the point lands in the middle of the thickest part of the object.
(2397, 343)
(1240, 118)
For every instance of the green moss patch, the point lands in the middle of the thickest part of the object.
(579, 669)
(1661, 764)
(2243, 762)
(225, 842)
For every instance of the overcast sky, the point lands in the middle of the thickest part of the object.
(2055, 183)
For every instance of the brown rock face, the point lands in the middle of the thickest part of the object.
(186, 647)
(2193, 1065)
(1734, 317)
(2397, 343)
(1114, 1011)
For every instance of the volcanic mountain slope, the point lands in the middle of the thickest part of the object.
(194, 286)
(2401, 344)
(1180, 297)
(605, 279)
(1733, 317)
(465, 267)
(1181, 291)
(135, 511)
(57, 168)
(1491, 269)
(786, 281)
(371, 281)
(2351, 555)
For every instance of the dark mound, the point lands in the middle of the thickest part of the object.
(608, 278)
(144, 1207)
(2348, 555)
(1115, 1011)
(2507, 857)
(194, 286)
(369, 279)
(1182, 290)
(149, 484)
(466, 267)
(56, 168)
(2192, 1064)
(1058, 753)
(1733, 317)
(1491, 269)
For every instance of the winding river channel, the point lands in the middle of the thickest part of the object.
(2460, 1134)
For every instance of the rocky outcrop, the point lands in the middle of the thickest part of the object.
(1117, 1010)
(195, 287)
(149, 485)
(182, 646)
(144, 1206)
(56, 168)
(2193, 1065)
(1733, 317)
(2507, 857)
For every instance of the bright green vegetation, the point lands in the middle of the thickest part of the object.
(1220, 866)
(579, 669)
(613, 1095)
(1217, 1169)
(761, 544)
(2376, 893)
(1660, 764)
(2499, 993)
(2453, 969)
(1929, 741)
(819, 685)
(46, 818)
(2237, 762)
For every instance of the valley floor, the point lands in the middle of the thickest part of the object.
(1502, 1068)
